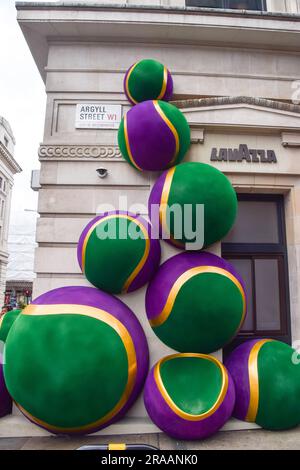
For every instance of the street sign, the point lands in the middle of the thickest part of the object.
(98, 116)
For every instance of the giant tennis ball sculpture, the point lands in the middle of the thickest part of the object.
(5, 398)
(266, 374)
(176, 200)
(76, 359)
(148, 79)
(6, 322)
(189, 396)
(196, 302)
(116, 252)
(154, 135)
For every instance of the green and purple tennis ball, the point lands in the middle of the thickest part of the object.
(5, 398)
(189, 396)
(266, 374)
(148, 79)
(188, 187)
(6, 322)
(75, 360)
(154, 135)
(196, 302)
(116, 252)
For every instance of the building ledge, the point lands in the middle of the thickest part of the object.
(9, 160)
(232, 100)
(91, 5)
(45, 23)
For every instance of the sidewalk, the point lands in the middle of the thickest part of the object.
(229, 440)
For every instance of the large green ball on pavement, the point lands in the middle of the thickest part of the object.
(75, 360)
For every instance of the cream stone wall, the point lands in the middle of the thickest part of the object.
(93, 68)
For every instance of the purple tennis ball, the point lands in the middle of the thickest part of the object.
(117, 253)
(76, 360)
(154, 135)
(5, 398)
(189, 396)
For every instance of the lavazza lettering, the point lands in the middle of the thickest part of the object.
(243, 153)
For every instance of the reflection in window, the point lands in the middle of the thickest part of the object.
(257, 222)
(267, 294)
(257, 5)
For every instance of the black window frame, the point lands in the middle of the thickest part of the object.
(276, 251)
(225, 6)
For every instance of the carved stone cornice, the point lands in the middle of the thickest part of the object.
(9, 160)
(78, 152)
(231, 100)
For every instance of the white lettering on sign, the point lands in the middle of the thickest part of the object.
(98, 116)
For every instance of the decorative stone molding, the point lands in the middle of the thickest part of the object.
(9, 160)
(79, 152)
(230, 100)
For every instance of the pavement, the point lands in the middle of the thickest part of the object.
(226, 440)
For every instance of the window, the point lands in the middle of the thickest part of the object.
(2, 208)
(256, 246)
(4, 186)
(258, 5)
(5, 141)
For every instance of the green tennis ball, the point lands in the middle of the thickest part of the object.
(190, 186)
(7, 321)
(196, 302)
(148, 79)
(75, 360)
(266, 374)
(116, 252)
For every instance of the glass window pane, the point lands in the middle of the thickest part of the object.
(267, 295)
(231, 4)
(205, 3)
(243, 267)
(245, 4)
(256, 222)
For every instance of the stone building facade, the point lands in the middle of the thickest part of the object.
(8, 168)
(237, 77)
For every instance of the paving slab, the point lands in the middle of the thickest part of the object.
(229, 440)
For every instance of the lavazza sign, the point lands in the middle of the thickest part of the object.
(243, 153)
